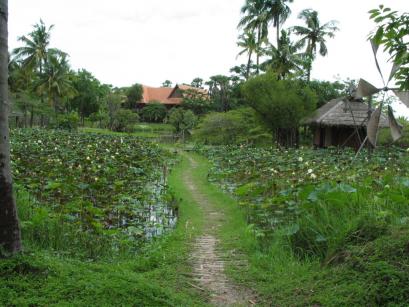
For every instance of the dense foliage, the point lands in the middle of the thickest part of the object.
(321, 199)
(281, 103)
(154, 112)
(124, 120)
(183, 120)
(392, 33)
(234, 127)
(90, 194)
(133, 94)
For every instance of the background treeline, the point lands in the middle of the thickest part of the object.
(269, 95)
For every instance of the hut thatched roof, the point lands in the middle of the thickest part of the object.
(343, 112)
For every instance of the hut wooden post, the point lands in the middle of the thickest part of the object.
(369, 117)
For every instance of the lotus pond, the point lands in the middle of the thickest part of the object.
(90, 194)
(317, 201)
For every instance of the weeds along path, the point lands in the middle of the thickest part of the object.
(208, 259)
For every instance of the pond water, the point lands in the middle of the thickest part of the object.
(152, 217)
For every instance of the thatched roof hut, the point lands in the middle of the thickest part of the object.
(341, 122)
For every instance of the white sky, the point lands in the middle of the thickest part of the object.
(148, 41)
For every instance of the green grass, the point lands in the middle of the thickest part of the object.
(109, 132)
(158, 276)
(154, 127)
(144, 130)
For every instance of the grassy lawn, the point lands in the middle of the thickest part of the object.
(145, 130)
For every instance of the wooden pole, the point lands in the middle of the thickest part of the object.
(369, 117)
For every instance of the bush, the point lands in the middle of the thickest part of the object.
(154, 112)
(233, 127)
(385, 138)
(182, 120)
(124, 121)
(196, 101)
(67, 121)
(102, 118)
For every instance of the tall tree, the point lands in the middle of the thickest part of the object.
(278, 13)
(134, 95)
(34, 57)
(10, 237)
(285, 59)
(197, 82)
(255, 19)
(248, 43)
(314, 36)
(90, 94)
(167, 83)
(281, 103)
(56, 81)
(220, 91)
(35, 51)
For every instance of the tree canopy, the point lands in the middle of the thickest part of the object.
(281, 103)
(392, 33)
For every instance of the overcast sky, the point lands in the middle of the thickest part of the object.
(148, 41)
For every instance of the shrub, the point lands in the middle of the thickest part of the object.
(154, 112)
(233, 127)
(182, 120)
(100, 117)
(124, 121)
(385, 138)
(196, 101)
(67, 121)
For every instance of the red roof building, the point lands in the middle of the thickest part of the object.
(168, 96)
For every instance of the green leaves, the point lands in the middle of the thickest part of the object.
(392, 33)
(97, 182)
(303, 188)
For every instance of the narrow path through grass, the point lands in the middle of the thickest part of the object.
(215, 249)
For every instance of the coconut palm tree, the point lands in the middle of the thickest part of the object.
(248, 43)
(35, 52)
(255, 20)
(278, 12)
(285, 59)
(56, 81)
(314, 36)
(10, 237)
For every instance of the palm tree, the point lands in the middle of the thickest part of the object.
(255, 20)
(278, 12)
(35, 52)
(34, 56)
(56, 81)
(248, 43)
(285, 59)
(314, 35)
(10, 237)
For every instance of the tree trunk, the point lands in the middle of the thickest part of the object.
(309, 66)
(278, 32)
(32, 117)
(258, 49)
(248, 66)
(10, 237)
(309, 72)
(25, 117)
